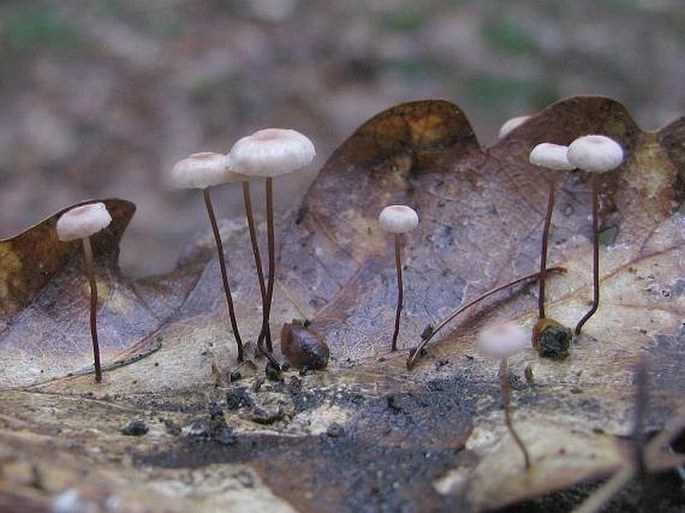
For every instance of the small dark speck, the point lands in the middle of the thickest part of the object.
(598, 431)
(159, 338)
(156, 364)
(643, 331)
(245, 479)
(335, 430)
(172, 428)
(576, 390)
(441, 363)
(134, 428)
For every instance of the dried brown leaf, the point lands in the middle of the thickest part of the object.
(433, 438)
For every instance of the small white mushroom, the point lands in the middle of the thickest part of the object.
(80, 223)
(201, 171)
(398, 219)
(511, 124)
(269, 153)
(503, 340)
(499, 342)
(550, 156)
(594, 154)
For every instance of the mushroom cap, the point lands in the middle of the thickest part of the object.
(398, 219)
(551, 156)
(199, 171)
(83, 221)
(595, 153)
(502, 340)
(233, 176)
(271, 152)
(509, 125)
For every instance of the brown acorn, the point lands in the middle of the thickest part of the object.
(304, 347)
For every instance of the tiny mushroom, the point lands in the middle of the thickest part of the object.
(499, 342)
(511, 124)
(550, 156)
(201, 171)
(269, 153)
(398, 219)
(80, 223)
(594, 154)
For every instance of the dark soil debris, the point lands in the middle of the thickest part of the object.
(136, 427)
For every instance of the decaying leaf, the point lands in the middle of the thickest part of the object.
(366, 434)
(44, 303)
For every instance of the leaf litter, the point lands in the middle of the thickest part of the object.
(430, 439)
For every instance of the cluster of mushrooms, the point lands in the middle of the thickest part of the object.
(271, 152)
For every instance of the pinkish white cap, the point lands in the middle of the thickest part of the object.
(509, 125)
(398, 219)
(503, 340)
(551, 156)
(83, 221)
(595, 153)
(233, 176)
(199, 171)
(271, 152)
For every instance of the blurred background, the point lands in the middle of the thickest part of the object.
(99, 98)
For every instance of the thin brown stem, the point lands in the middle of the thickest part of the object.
(416, 353)
(271, 248)
(90, 275)
(543, 251)
(400, 291)
(247, 199)
(595, 253)
(224, 274)
(506, 399)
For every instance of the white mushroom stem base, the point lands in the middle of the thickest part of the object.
(90, 276)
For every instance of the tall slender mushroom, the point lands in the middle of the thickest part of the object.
(201, 171)
(80, 223)
(398, 219)
(551, 156)
(594, 154)
(269, 153)
(500, 342)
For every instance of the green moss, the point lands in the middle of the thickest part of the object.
(496, 93)
(34, 27)
(508, 38)
(607, 236)
(402, 19)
